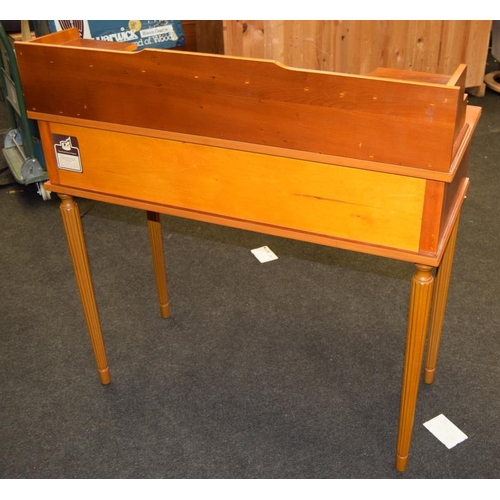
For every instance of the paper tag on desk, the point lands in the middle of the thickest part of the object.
(67, 152)
(264, 254)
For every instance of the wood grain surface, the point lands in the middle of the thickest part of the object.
(378, 119)
(358, 47)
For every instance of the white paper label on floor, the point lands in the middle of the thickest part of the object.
(445, 430)
(264, 254)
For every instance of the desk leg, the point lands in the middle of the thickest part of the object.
(156, 240)
(439, 306)
(76, 242)
(418, 316)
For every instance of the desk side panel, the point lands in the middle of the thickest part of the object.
(455, 191)
(359, 205)
(259, 102)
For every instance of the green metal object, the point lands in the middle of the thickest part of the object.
(22, 145)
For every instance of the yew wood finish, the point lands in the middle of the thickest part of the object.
(78, 251)
(440, 299)
(420, 304)
(375, 163)
(155, 238)
(376, 119)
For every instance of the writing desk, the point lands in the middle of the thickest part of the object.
(375, 163)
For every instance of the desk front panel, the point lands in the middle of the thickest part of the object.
(349, 203)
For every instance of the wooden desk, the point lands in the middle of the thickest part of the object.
(375, 163)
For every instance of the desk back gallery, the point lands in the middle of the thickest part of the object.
(375, 163)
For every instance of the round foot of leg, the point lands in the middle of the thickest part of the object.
(401, 463)
(165, 310)
(104, 376)
(429, 376)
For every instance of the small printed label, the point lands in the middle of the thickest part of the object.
(264, 254)
(67, 152)
(160, 30)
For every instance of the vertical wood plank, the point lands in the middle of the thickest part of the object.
(209, 37)
(273, 39)
(454, 41)
(477, 48)
(191, 37)
(253, 39)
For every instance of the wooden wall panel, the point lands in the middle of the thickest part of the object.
(189, 28)
(209, 38)
(359, 47)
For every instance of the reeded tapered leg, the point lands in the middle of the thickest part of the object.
(156, 240)
(443, 274)
(418, 316)
(76, 242)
